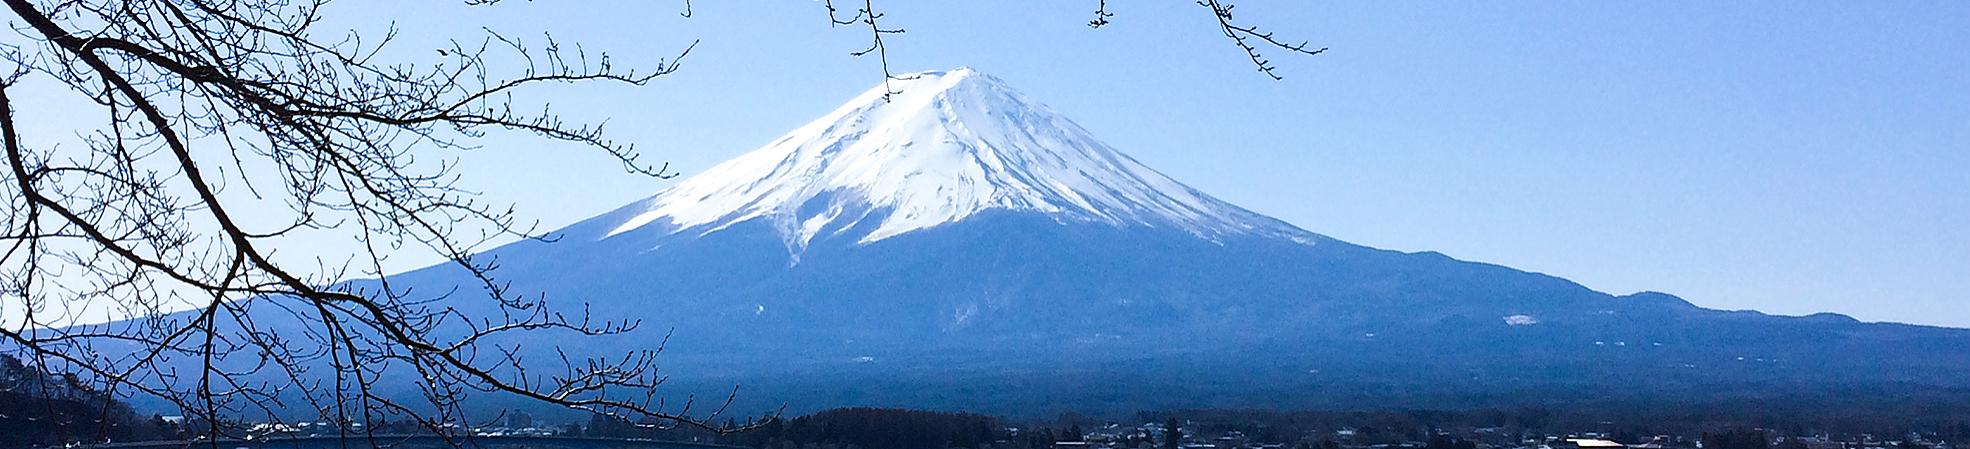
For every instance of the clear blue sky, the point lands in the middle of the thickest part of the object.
(1790, 157)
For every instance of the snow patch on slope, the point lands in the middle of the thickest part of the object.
(947, 146)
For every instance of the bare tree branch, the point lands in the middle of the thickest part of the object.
(867, 15)
(1101, 14)
(136, 215)
(1221, 12)
(1240, 36)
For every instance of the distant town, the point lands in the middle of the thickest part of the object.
(42, 410)
(882, 428)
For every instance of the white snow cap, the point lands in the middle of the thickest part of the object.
(944, 146)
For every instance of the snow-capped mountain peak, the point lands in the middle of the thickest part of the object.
(943, 146)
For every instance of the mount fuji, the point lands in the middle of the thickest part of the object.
(948, 242)
(947, 147)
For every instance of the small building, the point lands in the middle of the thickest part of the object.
(1588, 443)
(1072, 445)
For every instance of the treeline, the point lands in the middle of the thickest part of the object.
(1314, 428)
(1737, 439)
(38, 408)
(875, 428)
(885, 428)
(1630, 423)
(605, 426)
